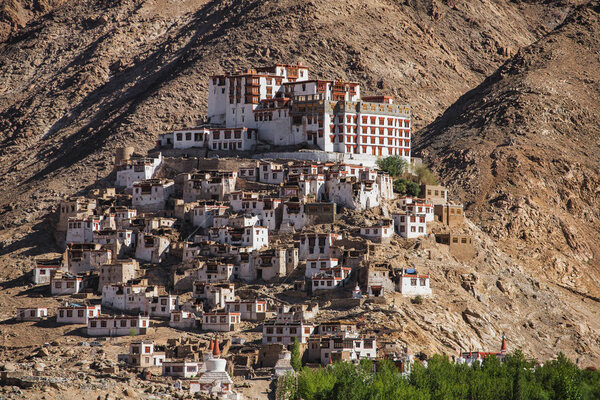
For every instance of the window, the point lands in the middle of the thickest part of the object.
(103, 324)
(413, 281)
(422, 281)
(93, 324)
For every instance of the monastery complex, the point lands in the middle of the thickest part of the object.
(245, 251)
(281, 106)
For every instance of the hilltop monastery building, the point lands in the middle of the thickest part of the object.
(279, 105)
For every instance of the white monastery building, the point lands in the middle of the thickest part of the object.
(282, 106)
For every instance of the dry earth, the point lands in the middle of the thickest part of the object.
(78, 79)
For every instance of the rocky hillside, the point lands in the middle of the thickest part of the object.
(522, 150)
(94, 74)
(90, 75)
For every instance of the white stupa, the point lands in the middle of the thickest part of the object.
(215, 379)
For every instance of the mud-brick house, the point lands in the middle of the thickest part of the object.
(449, 214)
(460, 245)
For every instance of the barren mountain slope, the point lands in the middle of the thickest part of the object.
(523, 151)
(94, 74)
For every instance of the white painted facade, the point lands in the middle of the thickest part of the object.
(161, 306)
(414, 284)
(285, 332)
(203, 215)
(43, 273)
(31, 313)
(330, 278)
(182, 320)
(213, 185)
(126, 297)
(270, 172)
(81, 259)
(152, 194)
(417, 207)
(123, 325)
(315, 265)
(379, 233)
(221, 321)
(249, 310)
(251, 237)
(142, 354)
(329, 114)
(215, 294)
(76, 314)
(355, 348)
(410, 226)
(81, 230)
(62, 284)
(137, 169)
(180, 368)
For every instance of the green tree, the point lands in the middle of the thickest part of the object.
(413, 189)
(393, 165)
(517, 378)
(400, 185)
(286, 387)
(296, 360)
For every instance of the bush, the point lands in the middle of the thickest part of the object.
(393, 165)
(425, 176)
(417, 300)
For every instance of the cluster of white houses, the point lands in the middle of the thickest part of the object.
(254, 223)
(108, 235)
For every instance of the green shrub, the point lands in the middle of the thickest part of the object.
(425, 176)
